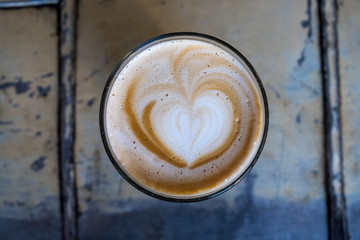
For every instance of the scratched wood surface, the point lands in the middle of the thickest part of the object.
(283, 197)
(29, 183)
(349, 45)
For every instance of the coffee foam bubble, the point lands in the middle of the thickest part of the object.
(183, 117)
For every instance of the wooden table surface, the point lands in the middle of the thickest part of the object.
(56, 181)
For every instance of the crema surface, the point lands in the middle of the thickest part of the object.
(184, 117)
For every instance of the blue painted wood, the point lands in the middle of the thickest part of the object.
(29, 186)
(214, 220)
(349, 54)
(284, 196)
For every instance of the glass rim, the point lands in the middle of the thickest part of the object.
(107, 145)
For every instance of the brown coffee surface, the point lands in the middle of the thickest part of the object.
(184, 117)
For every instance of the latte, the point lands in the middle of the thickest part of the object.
(183, 117)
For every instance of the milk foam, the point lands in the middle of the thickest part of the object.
(184, 117)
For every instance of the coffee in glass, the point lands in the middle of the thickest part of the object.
(184, 117)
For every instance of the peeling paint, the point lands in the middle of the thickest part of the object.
(6, 122)
(43, 91)
(91, 101)
(302, 58)
(19, 85)
(47, 75)
(307, 22)
(276, 92)
(38, 133)
(38, 163)
(298, 118)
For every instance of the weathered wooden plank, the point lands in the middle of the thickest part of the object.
(67, 52)
(29, 186)
(332, 124)
(349, 56)
(25, 3)
(283, 197)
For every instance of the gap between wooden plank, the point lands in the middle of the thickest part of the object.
(336, 203)
(67, 20)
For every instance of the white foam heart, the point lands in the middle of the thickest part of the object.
(194, 130)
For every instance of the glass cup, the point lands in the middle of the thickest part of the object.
(116, 157)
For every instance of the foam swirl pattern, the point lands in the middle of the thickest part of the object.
(183, 117)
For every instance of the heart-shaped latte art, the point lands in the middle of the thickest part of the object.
(197, 116)
(194, 132)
